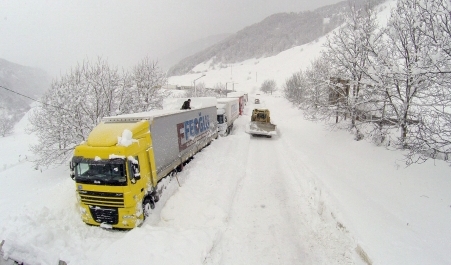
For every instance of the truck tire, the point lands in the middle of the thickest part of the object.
(148, 205)
(155, 198)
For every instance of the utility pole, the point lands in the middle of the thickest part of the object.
(194, 84)
(233, 85)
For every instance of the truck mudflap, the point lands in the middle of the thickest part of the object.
(256, 128)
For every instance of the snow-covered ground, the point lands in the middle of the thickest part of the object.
(306, 196)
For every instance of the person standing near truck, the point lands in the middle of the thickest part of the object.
(186, 104)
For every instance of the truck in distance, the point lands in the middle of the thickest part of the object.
(227, 113)
(242, 98)
(260, 124)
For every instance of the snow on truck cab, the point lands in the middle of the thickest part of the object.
(127, 160)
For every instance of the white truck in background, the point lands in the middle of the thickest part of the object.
(228, 110)
(242, 99)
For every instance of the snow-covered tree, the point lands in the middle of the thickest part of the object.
(384, 78)
(6, 122)
(73, 105)
(435, 17)
(203, 91)
(147, 80)
(316, 98)
(432, 134)
(220, 88)
(348, 54)
(268, 86)
(295, 88)
(401, 64)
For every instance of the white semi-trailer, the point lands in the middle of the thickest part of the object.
(228, 111)
(242, 97)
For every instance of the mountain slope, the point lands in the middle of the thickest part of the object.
(28, 81)
(189, 49)
(269, 37)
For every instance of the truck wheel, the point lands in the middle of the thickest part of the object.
(148, 205)
(156, 198)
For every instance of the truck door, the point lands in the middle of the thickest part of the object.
(137, 180)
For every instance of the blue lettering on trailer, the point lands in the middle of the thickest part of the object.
(191, 130)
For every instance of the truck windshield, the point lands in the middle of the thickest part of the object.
(104, 172)
(220, 119)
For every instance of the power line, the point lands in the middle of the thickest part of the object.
(32, 98)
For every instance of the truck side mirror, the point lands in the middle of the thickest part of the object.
(72, 171)
(134, 171)
(137, 176)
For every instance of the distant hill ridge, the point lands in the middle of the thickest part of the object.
(28, 81)
(271, 36)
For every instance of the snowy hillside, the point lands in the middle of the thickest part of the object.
(272, 35)
(249, 74)
(189, 49)
(307, 196)
(28, 81)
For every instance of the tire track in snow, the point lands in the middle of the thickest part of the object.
(329, 241)
(330, 238)
(278, 215)
(264, 227)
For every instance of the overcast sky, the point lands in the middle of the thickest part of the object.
(55, 35)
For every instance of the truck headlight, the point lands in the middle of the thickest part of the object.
(82, 210)
(128, 217)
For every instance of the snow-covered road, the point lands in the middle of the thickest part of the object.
(259, 200)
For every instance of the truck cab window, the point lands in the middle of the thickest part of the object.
(133, 165)
(82, 168)
(220, 119)
(100, 172)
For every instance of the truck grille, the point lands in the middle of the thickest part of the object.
(104, 215)
(108, 199)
